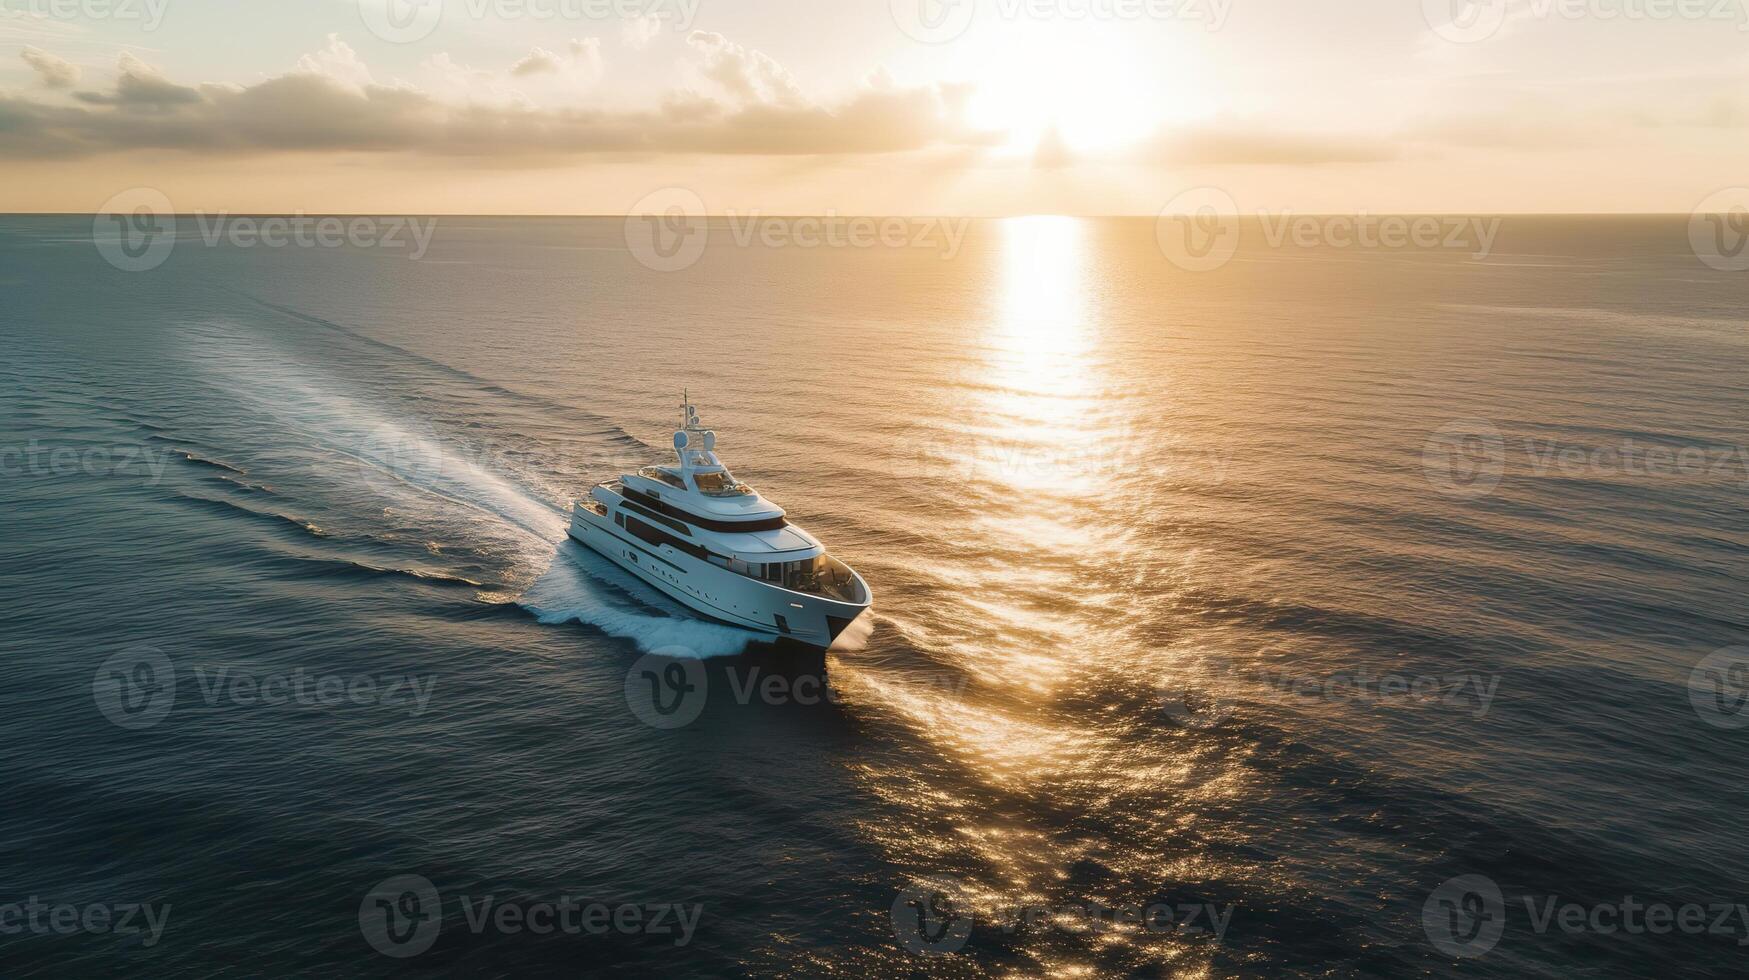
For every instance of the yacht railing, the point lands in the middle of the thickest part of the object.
(837, 582)
(822, 575)
(661, 475)
(734, 490)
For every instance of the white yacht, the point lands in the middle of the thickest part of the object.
(709, 541)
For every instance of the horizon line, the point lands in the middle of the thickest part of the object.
(848, 214)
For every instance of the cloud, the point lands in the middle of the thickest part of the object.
(330, 104)
(639, 32)
(55, 72)
(1235, 141)
(584, 60)
(338, 61)
(1607, 112)
(539, 77)
(450, 81)
(746, 75)
(142, 86)
(539, 61)
(1508, 129)
(586, 54)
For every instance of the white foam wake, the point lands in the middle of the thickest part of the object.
(404, 462)
(855, 636)
(572, 591)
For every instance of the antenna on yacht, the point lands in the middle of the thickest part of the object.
(692, 437)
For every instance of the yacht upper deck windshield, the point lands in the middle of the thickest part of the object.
(720, 484)
(663, 475)
(821, 575)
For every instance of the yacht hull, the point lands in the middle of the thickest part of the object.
(717, 592)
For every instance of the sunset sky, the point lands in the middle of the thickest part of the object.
(873, 106)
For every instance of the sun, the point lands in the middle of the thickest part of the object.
(1088, 85)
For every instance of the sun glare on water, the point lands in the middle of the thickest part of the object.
(1039, 338)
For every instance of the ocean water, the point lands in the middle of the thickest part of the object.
(1249, 621)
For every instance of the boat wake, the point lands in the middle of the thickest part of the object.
(394, 467)
(571, 591)
(855, 636)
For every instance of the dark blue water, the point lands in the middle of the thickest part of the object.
(1275, 597)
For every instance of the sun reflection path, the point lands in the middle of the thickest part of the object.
(1038, 378)
(1041, 420)
(1057, 776)
(1033, 439)
(1043, 299)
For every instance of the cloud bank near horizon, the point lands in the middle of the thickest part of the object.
(743, 103)
(332, 102)
(558, 104)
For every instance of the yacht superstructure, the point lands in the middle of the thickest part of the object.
(709, 541)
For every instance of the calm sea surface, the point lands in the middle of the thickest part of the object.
(1222, 618)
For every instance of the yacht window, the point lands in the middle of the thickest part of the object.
(649, 514)
(714, 483)
(819, 575)
(663, 476)
(649, 499)
(641, 530)
(655, 535)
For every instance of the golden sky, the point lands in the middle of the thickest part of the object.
(907, 107)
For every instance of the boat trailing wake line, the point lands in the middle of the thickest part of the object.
(415, 458)
(571, 591)
(406, 462)
(606, 427)
(394, 458)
